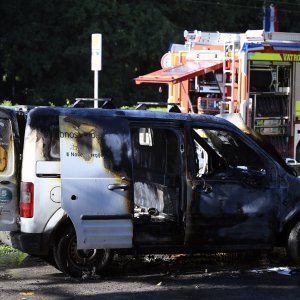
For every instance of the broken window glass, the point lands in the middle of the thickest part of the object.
(156, 172)
(54, 145)
(146, 136)
(219, 148)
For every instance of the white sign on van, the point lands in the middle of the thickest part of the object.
(96, 52)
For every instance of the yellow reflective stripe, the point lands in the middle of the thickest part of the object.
(297, 112)
(290, 57)
(177, 58)
(264, 56)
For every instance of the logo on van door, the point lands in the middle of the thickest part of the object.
(5, 195)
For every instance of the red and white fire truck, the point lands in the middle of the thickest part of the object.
(256, 74)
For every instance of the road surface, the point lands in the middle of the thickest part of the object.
(159, 277)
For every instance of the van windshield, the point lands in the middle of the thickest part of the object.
(216, 149)
(259, 139)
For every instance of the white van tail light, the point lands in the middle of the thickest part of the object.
(26, 203)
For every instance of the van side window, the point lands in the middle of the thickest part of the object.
(155, 152)
(216, 149)
(156, 169)
(145, 136)
(54, 143)
(201, 159)
(6, 147)
(51, 146)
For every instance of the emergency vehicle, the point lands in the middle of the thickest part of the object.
(256, 74)
(78, 185)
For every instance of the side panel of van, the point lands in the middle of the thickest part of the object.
(235, 201)
(95, 172)
(9, 146)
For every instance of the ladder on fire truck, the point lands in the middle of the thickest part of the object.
(229, 78)
(231, 44)
(231, 69)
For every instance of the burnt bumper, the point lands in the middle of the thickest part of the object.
(31, 243)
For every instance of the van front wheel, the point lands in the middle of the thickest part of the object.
(293, 245)
(75, 262)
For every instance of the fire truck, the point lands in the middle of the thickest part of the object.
(255, 74)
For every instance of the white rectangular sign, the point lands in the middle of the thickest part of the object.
(96, 52)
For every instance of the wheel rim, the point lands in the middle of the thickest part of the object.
(81, 257)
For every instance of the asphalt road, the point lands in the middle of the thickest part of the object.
(176, 277)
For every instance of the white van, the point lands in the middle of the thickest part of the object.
(92, 182)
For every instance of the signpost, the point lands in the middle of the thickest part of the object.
(96, 62)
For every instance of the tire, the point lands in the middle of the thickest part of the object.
(76, 263)
(56, 257)
(293, 245)
(50, 260)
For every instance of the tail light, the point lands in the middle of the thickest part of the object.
(26, 202)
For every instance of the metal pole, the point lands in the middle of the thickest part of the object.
(96, 62)
(95, 89)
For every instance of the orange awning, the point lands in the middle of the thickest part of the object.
(180, 73)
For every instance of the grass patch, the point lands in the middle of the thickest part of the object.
(4, 249)
(10, 257)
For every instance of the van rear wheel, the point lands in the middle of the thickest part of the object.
(293, 245)
(50, 259)
(75, 262)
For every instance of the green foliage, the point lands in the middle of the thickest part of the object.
(4, 249)
(45, 45)
(161, 109)
(10, 257)
(68, 103)
(6, 103)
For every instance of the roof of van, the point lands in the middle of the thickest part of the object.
(142, 115)
(131, 114)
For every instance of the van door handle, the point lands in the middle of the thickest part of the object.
(112, 187)
(4, 182)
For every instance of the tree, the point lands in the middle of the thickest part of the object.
(45, 45)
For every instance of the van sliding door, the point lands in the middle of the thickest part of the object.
(95, 172)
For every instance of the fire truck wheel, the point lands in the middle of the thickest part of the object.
(77, 263)
(293, 246)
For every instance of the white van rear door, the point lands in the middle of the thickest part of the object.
(95, 165)
(9, 177)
